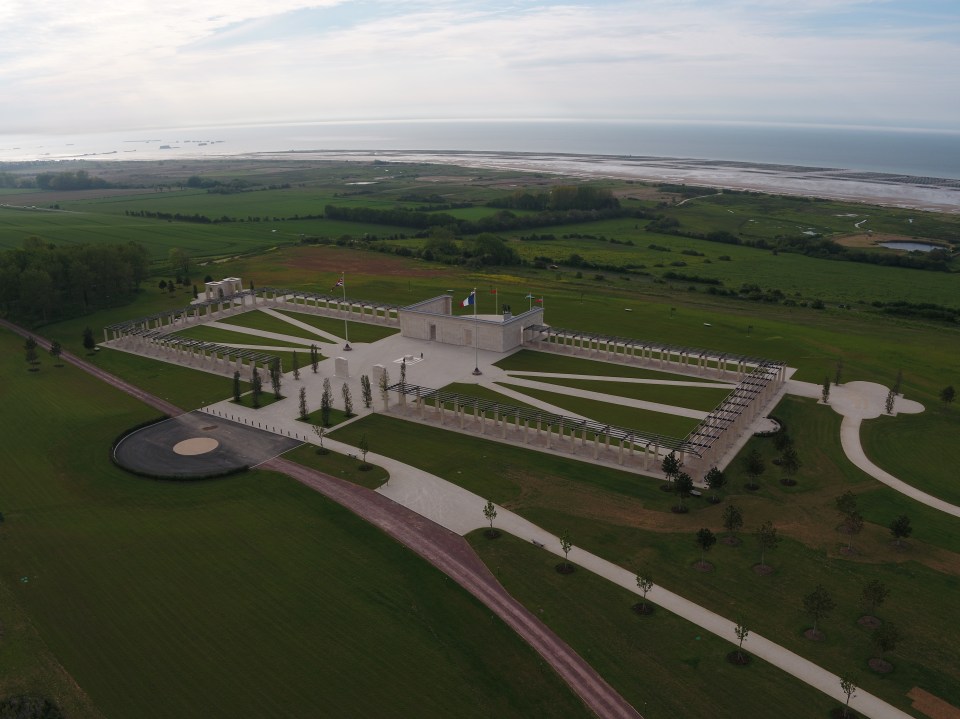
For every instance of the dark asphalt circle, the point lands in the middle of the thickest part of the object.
(205, 445)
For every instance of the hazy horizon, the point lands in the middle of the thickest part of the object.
(86, 66)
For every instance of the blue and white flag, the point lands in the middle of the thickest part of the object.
(471, 300)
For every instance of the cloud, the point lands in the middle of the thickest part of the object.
(88, 64)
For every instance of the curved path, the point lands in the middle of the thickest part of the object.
(447, 551)
(453, 556)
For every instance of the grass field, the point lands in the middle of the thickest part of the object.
(661, 664)
(338, 465)
(215, 334)
(166, 580)
(359, 331)
(257, 320)
(532, 361)
(625, 519)
(669, 425)
(703, 398)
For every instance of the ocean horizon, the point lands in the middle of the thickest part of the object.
(918, 153)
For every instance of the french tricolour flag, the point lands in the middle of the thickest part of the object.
(471, 300)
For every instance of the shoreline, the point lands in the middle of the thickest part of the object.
(889, 190)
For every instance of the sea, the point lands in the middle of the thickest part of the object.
(770, 156)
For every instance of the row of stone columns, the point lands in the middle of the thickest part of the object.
(334, 307)
(631, 452)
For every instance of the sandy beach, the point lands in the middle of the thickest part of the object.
(922, 193)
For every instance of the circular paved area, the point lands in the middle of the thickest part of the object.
(197, 445)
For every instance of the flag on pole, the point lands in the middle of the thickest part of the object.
(339, 282)
(528, 297)
(539, 300)
(493, 291)
(471, 300)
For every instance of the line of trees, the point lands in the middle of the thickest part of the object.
(42, 282)
(79, 180)
(560, 198)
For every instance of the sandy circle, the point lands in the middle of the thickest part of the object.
(196, 445)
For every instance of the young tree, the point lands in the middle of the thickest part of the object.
(162, 285)
(172, 287)
(874, 594)
(900, 529)
(88, 341)
(818, 604)
(850, 690)
(948, 394)
(644, 584)
(742, 633)
(891, 399)
(732, 520)
(30, 347)
(790, 464)
(754, 466)
(566, 545)
(715, 480)
(56, 349)
(320, 432)
(195, 293)
(236, 386)
(490, 513)
(839, 372)
(705, 540)
(403, 372)
(256, 386)
(683, 485)
(326, 402)
(782, 440)
(899, 383)
(276, 378)
(384, 383)
(885, 638)
(825, 391)
(853, 525)
(314, 357)
(296, 365)
(671, 466)
(347, 400)
(365, 392)
(846, 504)
(303, 404)
(364, 446)
(767, 539)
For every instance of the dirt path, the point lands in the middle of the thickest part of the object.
(111, 379)
(452, 555)
(447, 551)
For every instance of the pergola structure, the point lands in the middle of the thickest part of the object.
(626, 447)
(333, 306)
(208, 356)
(674, 358)
(175, 319)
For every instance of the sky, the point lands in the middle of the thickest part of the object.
(102, 65)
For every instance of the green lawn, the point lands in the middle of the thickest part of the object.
(625, 519)
(668, 425)
(533, 361)
(934, 456)
(221, 336)
(359, 331)
(140, 588)
(184, 387)
(663, 665)
(703, 398)
(338, 465)
(258, 320)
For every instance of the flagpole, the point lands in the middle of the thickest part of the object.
(346, 330)
(476, 336)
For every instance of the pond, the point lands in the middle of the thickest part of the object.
(913, 246)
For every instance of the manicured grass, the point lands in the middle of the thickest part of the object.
(246, 596)
(668, 425)
(533, 361)
(261, 321)
(339, 465)
(215, 334)
(184, 387)
(628, 522)
(359, 331)
(934, 456)
(703, 398)
(336, 417)
(659, 663)
(267, 398)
